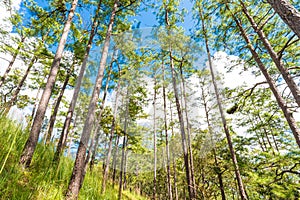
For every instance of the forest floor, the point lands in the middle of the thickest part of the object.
(43, 181)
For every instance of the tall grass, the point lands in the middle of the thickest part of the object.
(43, 180)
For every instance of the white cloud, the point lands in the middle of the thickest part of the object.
(236, 77)
(6, 13)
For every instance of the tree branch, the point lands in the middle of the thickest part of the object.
(287, 44)
(284, 172)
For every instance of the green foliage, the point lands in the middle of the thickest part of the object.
(42, 180)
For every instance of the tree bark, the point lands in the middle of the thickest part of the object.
(74, 185)
(173, 157)
(31, 143)
(57, 104)
(96, 137)
(125, 167)
(154, 138)
(71, 134)
(29, 125)
(281, 102)
(65, 131)
(188, 128)
(123, 147)
(219, 173)
(112, 130)
(182, 131)
(219, 102)
(288, 13)
(170, 195)
(14, 97)
(180, 117)
(13, 59)
(22, 81)
(280, 66)
(114, 163)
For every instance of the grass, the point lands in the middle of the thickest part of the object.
(42, 181)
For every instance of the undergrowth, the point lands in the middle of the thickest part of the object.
(43, 180)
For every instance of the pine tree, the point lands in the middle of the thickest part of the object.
(31, 143)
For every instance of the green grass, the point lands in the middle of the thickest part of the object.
(42, 181)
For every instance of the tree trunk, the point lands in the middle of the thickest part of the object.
(170, 195)
(281, 102)
(29, 125)
(288, 13)
(123, 146)
(57, 104)
(280, 66)
(122, 168)
(14, 97)
(226, 130)
(154, 139)
(73, 188)
(114, 163)
(219, 173)
(31, 143)
(65, 131)
(112, 130)
(173, 157)
(180, 117)
(182, 130)
(93, 149)
(71, 134)
(22, 81)
(125, 167)
(16, 53)
(188, 128)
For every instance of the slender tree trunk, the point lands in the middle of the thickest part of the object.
(154, 139)
(175, 177)
(103, 157)
(219, 173)
(173, 156)
(182, 131)
(64, 134)
(95, 146)
(188, 127)
(56, 107)
(114, 164)
(73, 188)
(125, 167)
(71, 134)
(112, 131)
(34, 108)
(280, 66)
(31, 143)
(228, 136)
(170, 195)
(281, 102)
(12, 61)
(288, 13)
(22, 81)
(122, 168)
(86, 163)
(123, 146)
(20, 85)
(96, 137)
(180, 117)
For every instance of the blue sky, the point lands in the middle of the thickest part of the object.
(146, 18)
